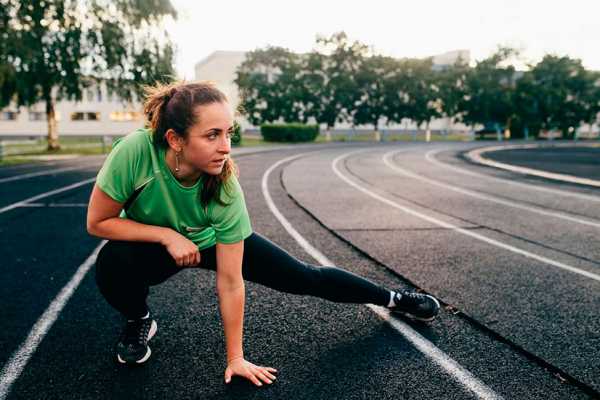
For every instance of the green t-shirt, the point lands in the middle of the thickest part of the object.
(135, 162)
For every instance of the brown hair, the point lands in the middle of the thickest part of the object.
(171, 106)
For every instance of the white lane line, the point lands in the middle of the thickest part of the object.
(477, 156)
(47, 172)
(54, 205)
(447, 364)
(483, 196)
(43, 195)
(83, 205)
(457, 229)
(430, 156)
(14, 367)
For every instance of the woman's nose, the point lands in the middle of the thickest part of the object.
(225, 145)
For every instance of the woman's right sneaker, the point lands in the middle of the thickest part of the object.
(413, 305)
(132, 347)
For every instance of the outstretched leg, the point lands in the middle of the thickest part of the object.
(268, 264)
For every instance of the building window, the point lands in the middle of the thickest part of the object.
(90, 95)
(85, 116)
(37, 116)
(8, 115)
(99, 95)
(124, 116)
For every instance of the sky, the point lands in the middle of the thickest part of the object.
(394, 28)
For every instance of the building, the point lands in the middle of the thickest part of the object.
(98, 113)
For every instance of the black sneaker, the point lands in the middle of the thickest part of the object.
(132, 347)
(419, 306)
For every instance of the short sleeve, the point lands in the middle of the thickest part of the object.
(231, 222)
(115, 177)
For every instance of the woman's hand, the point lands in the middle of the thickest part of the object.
(239, 366)
(184, 251)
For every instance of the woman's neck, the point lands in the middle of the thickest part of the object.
(186, 175)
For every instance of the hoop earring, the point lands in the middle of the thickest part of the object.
(176, 162)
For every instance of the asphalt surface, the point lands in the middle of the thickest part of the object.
(583, 162)
(524, 327)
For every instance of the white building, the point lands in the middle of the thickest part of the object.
(98, 113)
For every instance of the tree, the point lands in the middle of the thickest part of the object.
(55, 49)
(452, 88)
(373, 92)
(489, 91)
(563, 91)
(526, 106)
(339, 60)
(591, 98)
(268, 85)
(424, 103)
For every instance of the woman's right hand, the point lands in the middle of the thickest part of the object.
(184, 251)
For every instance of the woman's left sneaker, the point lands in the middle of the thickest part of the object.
(132, 347)
(418, 306)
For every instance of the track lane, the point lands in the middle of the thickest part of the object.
(466, 265)
(281, 328)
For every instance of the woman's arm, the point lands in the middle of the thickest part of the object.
(103, 221)
(231, 291)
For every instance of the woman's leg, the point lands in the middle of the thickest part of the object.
(269, 265)
(125, 270)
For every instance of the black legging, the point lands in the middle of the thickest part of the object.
(125, 270)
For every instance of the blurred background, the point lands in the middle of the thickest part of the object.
(72, 72)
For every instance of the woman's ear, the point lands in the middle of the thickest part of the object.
(174, 140)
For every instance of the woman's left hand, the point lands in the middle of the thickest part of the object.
(254, 373)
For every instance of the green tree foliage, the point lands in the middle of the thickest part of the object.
(341, 65)
(372, 95)
(267, 81)
(424, 102)
(278, 85)
(562, 93)
(55, 49)
(342, 81)
(452, 88)
(591, 97)
(489, 91)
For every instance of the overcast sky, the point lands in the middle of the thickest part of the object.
(399, 29)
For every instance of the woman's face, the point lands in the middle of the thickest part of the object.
(209, 141)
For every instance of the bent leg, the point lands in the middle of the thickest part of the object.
(269, 265)
(125, 270)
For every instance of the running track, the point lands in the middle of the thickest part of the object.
(517, 267)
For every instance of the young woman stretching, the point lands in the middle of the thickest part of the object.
(167, 197)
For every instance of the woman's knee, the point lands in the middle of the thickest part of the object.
(111, 259)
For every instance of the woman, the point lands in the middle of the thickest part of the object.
(167, 197)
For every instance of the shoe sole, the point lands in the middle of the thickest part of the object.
(421, 319)
(151, 333)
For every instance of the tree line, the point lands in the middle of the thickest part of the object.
(344, 81)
